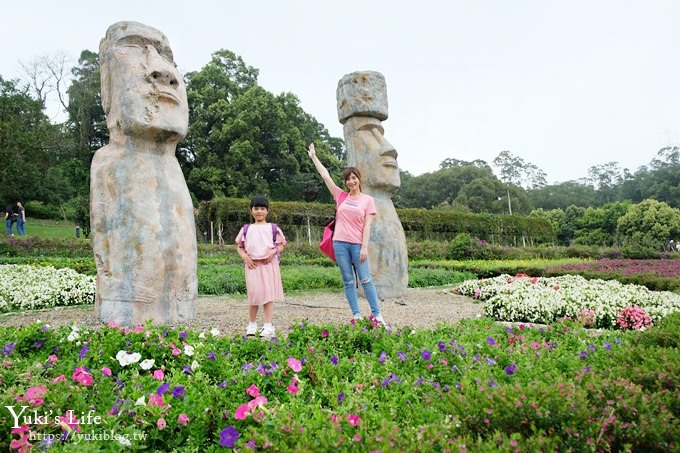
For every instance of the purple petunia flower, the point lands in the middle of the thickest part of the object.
(401, 356)
(211, 355)
(183, 335)
(83, 352)
(490, 341)
(383, 357)
(8, 349)
(341, 397)
(228, 437)
(492, 384)
(510, 369)
(442, 346)
(178, 391)
(419, 381)
(37, 344)
(583, 355)
(426, 355)
(223, 384)
(334, 360)
(490, 361)
(607, 346)
(163, 388)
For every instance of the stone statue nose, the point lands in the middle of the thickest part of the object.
(161, 70)
(162, 77)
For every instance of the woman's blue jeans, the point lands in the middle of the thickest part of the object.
(347, 256)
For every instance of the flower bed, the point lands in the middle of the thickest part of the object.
(545, 300)
(24, 287)
(474, 386)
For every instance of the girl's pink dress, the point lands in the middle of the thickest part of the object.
(263, 283)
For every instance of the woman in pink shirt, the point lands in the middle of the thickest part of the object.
(352, 232)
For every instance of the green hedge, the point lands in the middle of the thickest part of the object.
(304, 222)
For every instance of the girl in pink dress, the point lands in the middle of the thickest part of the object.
(260, 245)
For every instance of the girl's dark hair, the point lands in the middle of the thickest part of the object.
(260, 202)
(351, 170)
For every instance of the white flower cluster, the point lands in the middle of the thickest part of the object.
(544, 300)
(24, 287)
(126, 358)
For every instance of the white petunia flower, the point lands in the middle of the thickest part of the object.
(188, 350)
(146, 364)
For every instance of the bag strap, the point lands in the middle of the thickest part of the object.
(275, 231)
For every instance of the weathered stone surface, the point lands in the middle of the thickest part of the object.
(362, 105)
(141, 214)
(362, 93)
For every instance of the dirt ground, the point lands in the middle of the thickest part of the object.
(420, 307)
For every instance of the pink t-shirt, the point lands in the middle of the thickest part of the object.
(260, 240)
(349, 219)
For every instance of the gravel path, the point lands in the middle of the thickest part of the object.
(420, 307)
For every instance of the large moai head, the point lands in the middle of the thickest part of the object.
(362, 106)
(142, 91)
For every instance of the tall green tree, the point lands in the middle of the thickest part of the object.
(87, 124)
(244, 140)
(29, 146)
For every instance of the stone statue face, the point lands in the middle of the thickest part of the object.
(369, 151)
(142, 90)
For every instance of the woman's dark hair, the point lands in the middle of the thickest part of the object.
(260, 202)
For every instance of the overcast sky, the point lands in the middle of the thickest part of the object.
(564, 84)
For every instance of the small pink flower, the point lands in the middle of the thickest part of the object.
(81, 376)
(52, 358)
(292, 389)
(176, 351)
(106, 371)
(294, 364)
(161, 423)
(113, 324)
(253, 391)
(241, 412)
(353, 419)
(155, 400)
(139, 329)
(183, 419)
(324, 333)
(159, 375)
(59, 378)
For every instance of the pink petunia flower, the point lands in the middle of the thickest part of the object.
(294, 364)
(161, 423)
(241, 412)
(159, 375)
(353, 419)
(253, 391)
(183, 419)
(81, 376)
(106, 371)
(292, 389)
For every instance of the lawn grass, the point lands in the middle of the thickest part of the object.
(51, 229)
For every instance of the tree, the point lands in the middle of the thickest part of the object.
(48, 74)
(650, 224)
(562, 195)
(516, 171)
(244, 140)
(28, 146)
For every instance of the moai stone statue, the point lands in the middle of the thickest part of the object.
(362, 107)
(141, 214)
